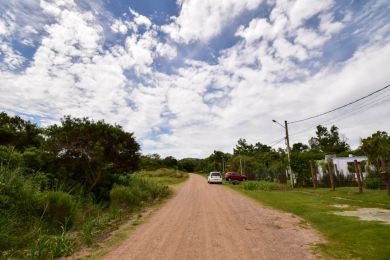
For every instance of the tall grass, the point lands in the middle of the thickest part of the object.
(263, 186)
(37, 223)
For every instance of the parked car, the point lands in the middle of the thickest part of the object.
(214, 177)
(235, 176)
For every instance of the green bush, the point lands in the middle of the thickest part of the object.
(9, 157)
(132, 191)
(50, 247)
(18, 194)
(374, 182)
(124, 196)
(260, 185)
(59, 208)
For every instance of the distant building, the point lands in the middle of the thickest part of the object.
(341, 165)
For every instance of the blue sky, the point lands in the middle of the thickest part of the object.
(192, 76)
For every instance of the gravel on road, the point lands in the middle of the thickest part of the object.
(206, 221)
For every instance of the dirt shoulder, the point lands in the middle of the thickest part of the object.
(210, 222)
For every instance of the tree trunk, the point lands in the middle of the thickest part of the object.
(386, 173)
(313, 175)
(358, 176)
(331, 176)
(361, 174)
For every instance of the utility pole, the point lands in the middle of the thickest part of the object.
(288, 154)
(288, 150)
(240, 165)
(223, 165)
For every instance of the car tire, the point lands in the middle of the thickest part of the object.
(228, 179)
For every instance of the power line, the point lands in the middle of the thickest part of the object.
(337, 108)
(367, 104)
(279, 141)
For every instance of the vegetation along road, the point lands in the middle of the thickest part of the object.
(211, 222)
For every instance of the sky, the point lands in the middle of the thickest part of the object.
(192, 76)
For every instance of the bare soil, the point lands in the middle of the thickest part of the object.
(368, 214)
(206, 221)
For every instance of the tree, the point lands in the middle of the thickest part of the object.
(169, 162)
(377, 148)
(88, 152)
(299, 147)
(328, 141)
(243, 148)
(263, 148)
(19, 133)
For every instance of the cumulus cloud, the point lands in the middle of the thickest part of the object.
(187, 107)
(201, 20)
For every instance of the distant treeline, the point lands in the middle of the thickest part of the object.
(262, 162)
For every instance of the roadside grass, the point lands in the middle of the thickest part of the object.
(127, 222)
(165, 176)
(48, 224)
(347, 237)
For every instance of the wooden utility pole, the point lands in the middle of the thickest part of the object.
(358, 176)
(385, 173)
(240, 166)
(289, 154)
(330, 169)
(313, 175)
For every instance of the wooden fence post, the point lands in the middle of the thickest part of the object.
(358, 177)
(330, 169)
(313, 175)
(385, 173)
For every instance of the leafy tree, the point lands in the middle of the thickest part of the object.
(19, 133)
(243, 148)
(299, 147)
(89, 152)
(263, 148)
(328, 141)
(169, 162)
(188, 164)
(150, 161)
(377, 148)
(300, 164)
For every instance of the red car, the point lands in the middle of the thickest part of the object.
(234, 176)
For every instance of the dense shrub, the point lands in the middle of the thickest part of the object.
(59, 208)
(132, 190)
(123, 196)
(9, 157)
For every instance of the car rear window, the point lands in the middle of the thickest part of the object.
(215, 174)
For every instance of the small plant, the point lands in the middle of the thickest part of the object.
(50, 247)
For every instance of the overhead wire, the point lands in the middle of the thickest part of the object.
(340, 107)
(350, 109)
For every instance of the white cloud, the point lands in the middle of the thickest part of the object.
(310, 39)
(304, 9)
(201, 20)
(199, 107)
(328, 26)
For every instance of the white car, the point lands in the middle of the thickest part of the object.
(214, 177)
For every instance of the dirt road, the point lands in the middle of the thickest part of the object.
(211, 222)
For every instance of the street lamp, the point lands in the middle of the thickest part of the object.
(288, 149)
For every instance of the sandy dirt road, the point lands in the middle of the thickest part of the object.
(211, 222)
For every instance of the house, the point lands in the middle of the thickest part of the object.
(341, 164)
